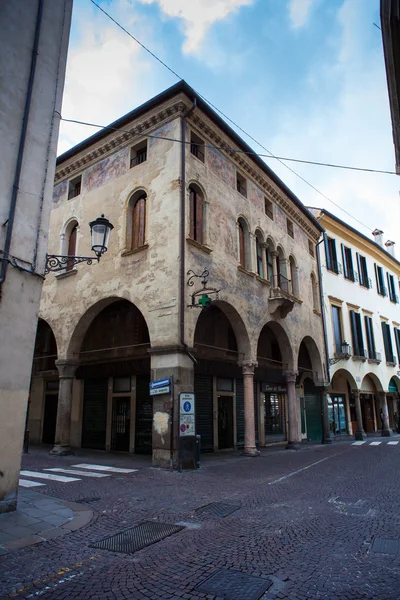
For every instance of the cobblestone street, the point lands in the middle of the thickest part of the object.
(308, 525)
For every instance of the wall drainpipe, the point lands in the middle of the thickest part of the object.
(182, 232)
(21, 148)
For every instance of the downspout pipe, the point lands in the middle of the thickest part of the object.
(21, 147)
(182, 232)
(326, 438)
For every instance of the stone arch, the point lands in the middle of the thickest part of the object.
(272, 334)
(46, 348)
(242, 339)
(309, 360)
(366, 383)
(70, 227)
(86, 320)
(345, 375)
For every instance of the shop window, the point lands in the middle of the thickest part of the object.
(196, 215)
(74, 187)
(224, 384)
(121, 385)
(139, 154)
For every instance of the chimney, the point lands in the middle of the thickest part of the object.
(378, 236)
(390, 247)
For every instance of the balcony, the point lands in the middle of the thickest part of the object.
(335, 267)
(394, 298)
(196, 150)
(352, 275)
(366, 282)
(391, 361)
(140, 158)
(360, 354)
(382, 291)
(375, 357)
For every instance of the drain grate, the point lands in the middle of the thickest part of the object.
(386, 546)
(217, 509)
(88, 500)
(134, 539)
(234, 585)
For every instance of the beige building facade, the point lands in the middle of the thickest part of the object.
(210, 279)
(360, 279)
(33, 51)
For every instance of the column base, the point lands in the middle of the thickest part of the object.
(386, 432)
(251, 452)
(61, 450)
(360, 435)
(292, 446)
(327, 440)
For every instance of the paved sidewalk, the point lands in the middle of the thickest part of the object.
(40, 518)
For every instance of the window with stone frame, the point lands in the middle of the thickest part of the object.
(196, 214)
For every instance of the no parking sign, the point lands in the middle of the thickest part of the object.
(186, 414)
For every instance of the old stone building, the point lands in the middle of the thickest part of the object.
(209, 207)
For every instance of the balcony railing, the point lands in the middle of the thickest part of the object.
(366, 282)
(394, 298)
(360, 353)
(375, 356)
(139, 159)
(284, 283)
(351, 275)
(391, 360)
(382, 291)
(197, 151)
(335, 267)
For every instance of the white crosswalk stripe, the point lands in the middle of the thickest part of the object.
(359, 443)
(60, 478)
(375, 443)
(84, 473)
(26, 483)
(392, 443)
(104, 468)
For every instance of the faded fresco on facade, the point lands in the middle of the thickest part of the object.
(280, 217)
(166, 131)
(255, 195)
(301, 237)
(104, 171)
(60, 192)
(221, 166)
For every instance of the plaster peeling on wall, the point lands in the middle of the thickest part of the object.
(102, 172)
(60, 192)
(160, 422)
(164, 131)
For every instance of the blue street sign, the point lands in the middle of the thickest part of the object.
(159, 383)
(187, 406)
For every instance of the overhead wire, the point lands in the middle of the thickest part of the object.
(270, 154)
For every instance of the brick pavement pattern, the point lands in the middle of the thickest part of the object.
(307, 521)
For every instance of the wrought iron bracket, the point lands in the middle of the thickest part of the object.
(333, 361)
(204, 296)
(58, 262)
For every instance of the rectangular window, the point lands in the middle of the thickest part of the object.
(337, 328)
(74, 188)
(392, 288)
(356, 334)
(269, 208)
(224, 384)
(260, 269)
(241, 184)
(121, 384)
(370, 338)
(290, 229)
(363, 271)
(348, 270)
(397, 339)
(387, 342)
(197, 146)
(331, 256)
(380, 280)
(311, 250)
(139, 154)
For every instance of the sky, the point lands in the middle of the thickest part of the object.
(305, 78)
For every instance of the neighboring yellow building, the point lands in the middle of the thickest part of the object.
(253, 356)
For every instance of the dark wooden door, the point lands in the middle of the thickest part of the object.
(144, 416)
(121, 423)
(225, 422)
(50, 418)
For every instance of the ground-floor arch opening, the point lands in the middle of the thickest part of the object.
(341, 404)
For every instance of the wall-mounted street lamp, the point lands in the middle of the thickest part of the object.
(345, 353)
(100, 230)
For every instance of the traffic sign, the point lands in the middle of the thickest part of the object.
(161, 390)
(186, 402)
(159, 383)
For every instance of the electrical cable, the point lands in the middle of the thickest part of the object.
(271, 155)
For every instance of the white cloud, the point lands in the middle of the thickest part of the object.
(198, 16)
(299, 11)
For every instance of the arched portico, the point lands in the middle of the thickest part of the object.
(315, 424)
(393, 397)
(374, 405)
(105, 376)
(342, 412)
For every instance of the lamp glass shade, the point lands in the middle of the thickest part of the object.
(100, 231)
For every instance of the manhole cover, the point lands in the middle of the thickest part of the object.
(88, 500)
(217, 509)
(386, 546)
(234, 585)
(136, 538)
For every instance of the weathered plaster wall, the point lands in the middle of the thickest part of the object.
(20, 294)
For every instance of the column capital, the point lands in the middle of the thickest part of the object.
(248, 367)
(291, 376)
(274, 253)
(66, 368)
(356, 392)
(381, 393)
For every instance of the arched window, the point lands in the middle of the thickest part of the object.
(294, 277)
(260, 267)
(242, 246)
(281, 268)
(315, 292)
(269, 262)
(72, 244)
(196, 212)
(138, 220)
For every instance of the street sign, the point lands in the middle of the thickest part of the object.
(159, 383)
(161, 390)
(186, 402)
(186, 414)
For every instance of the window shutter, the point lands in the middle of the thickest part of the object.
(378, 285)
(327, 254)
(71, 247)
(242, 258)
(192, 211)
(360, 339)
(345, 271)
(354, 332)
(389, 286)
(360, 273)
(142, 221)
(397, 338)
(199, 218)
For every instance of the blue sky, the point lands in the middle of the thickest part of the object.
(306, 78)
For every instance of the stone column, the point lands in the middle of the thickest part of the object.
(66, 371)
(360, 433)
(274, 256)
(249, 421)
(293, 437)
(326, 432)
(386, 431)
(264, 260)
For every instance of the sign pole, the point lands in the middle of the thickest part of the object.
(171, 444)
